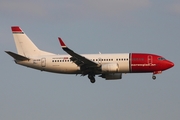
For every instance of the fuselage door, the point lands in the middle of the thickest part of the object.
(149, 59)
(43, 62)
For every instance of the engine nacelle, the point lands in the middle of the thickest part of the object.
(112, 76)
(110, 68)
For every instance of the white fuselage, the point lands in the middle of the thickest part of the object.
(63, 64)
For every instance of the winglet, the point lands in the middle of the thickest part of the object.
(16, 29)
(63, 45)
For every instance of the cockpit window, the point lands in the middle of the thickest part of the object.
(161, 58)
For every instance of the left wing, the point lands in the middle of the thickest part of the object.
(81, 61)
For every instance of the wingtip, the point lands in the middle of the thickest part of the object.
(61, 42)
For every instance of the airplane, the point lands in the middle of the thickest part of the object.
(107, 66)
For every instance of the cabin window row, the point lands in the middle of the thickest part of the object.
(122, 59)
(60, 60)
(102, 59)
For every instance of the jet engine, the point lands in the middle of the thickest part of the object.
(110, 68)
(111, 76)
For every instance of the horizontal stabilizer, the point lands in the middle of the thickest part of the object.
(16, 56)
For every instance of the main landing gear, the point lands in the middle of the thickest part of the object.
(92, 79)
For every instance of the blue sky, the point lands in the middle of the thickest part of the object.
(91, 26)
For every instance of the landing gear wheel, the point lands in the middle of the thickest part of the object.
(153, 77)
(92, 79)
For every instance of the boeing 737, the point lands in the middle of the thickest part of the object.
(108, 66)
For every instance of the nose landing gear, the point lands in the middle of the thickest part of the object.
(156, 72)
(153, 77)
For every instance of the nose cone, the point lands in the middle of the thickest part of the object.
(170, 64)
(167, 64)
